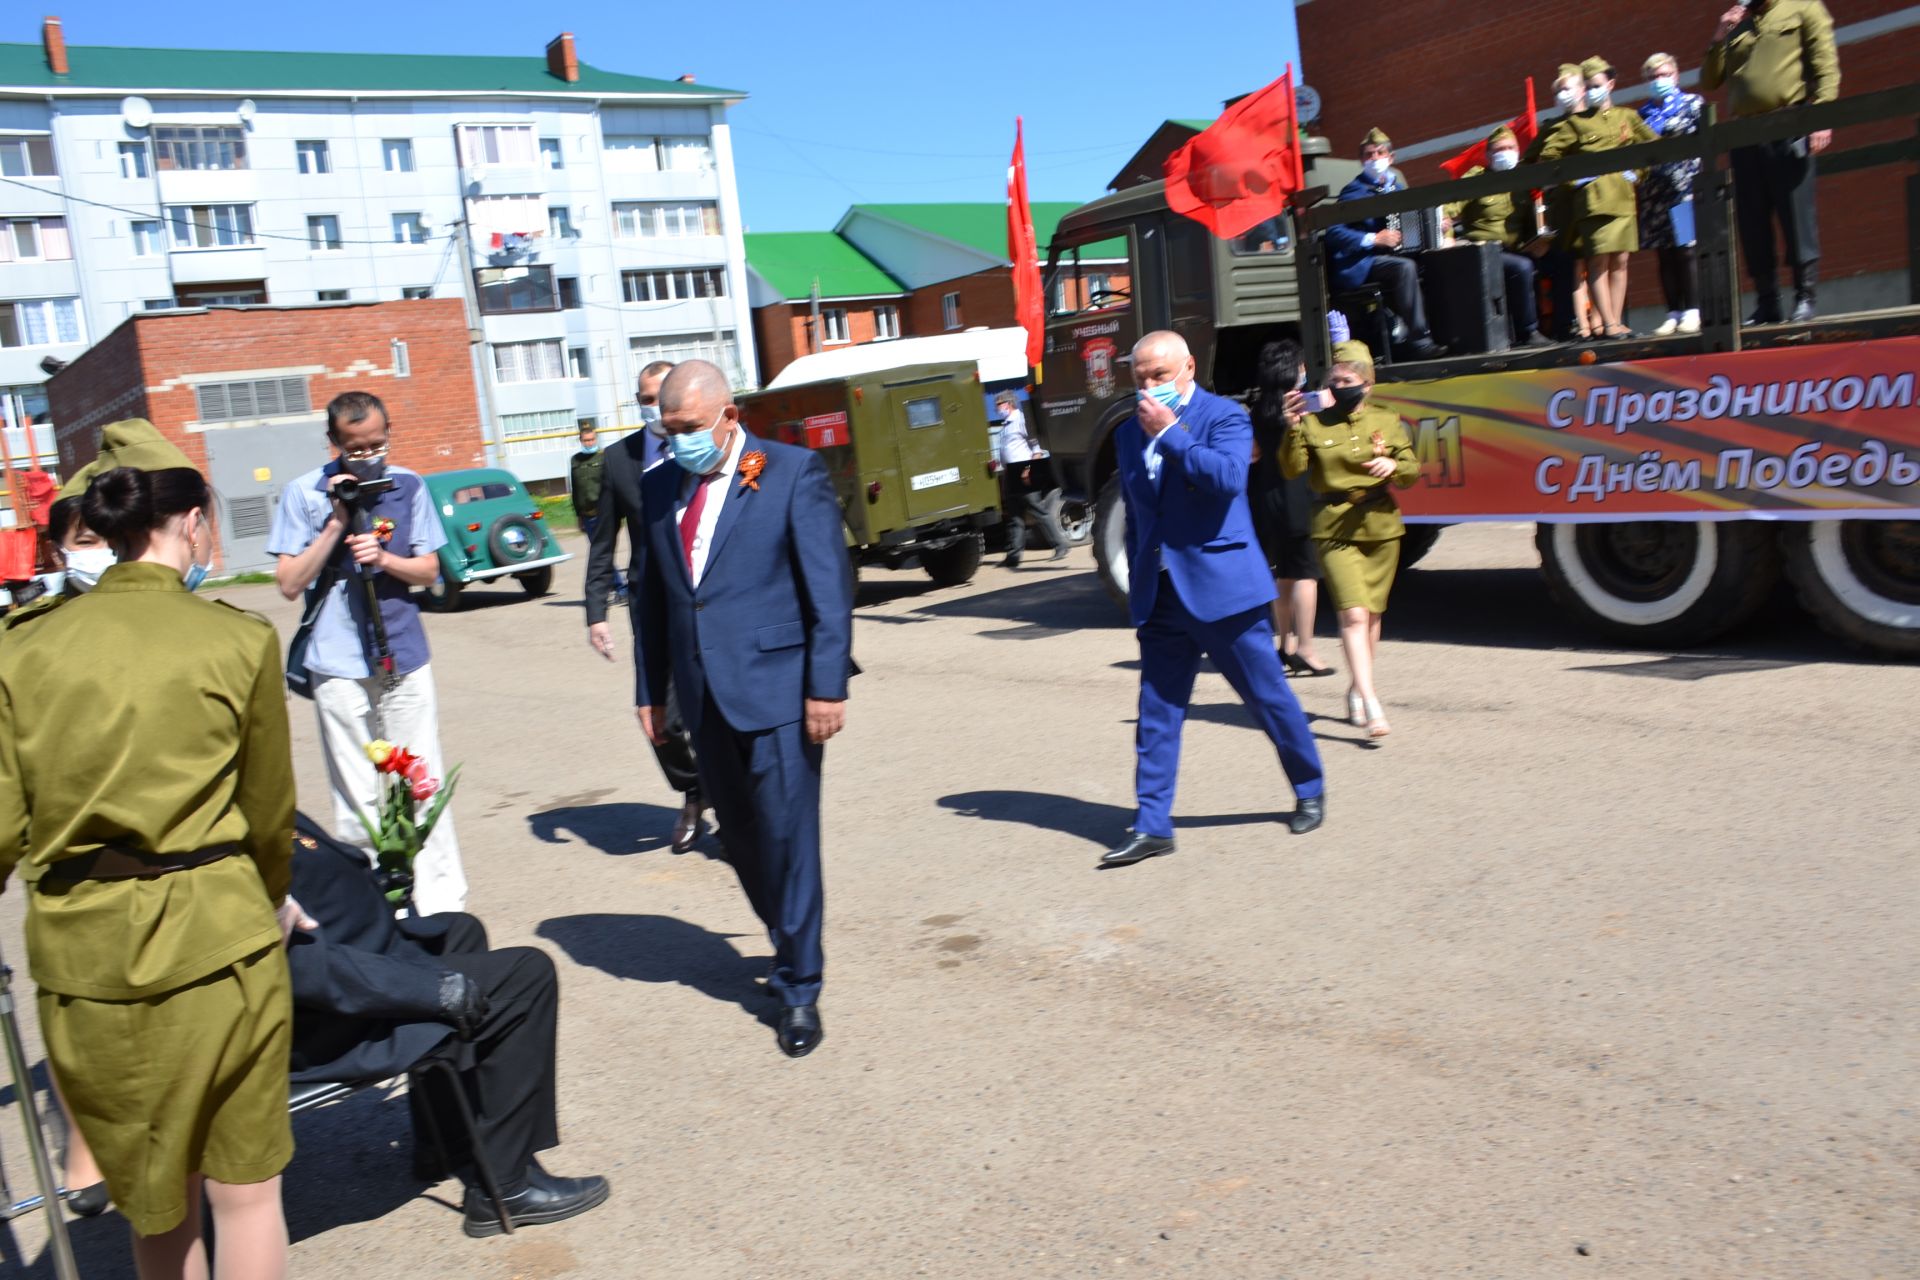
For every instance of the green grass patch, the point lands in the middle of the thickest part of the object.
(241, 580)
(557, 512)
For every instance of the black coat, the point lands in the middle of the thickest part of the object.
(366, 995)
(626, 462)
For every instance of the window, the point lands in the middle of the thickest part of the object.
(223, 295)
(397, 154)
(467, 495)
(560, 223)
(330, 295)
(415, 292)
(323, 232)
(578, 366)
(673, 286)
(505, 290)
(550, 157)
(1074, 287)
(686, 154)
(721, 350)
(489, 216)
(253, 398)
(522, 433)
(630, 153)
(923, 413)
(159, 304)
(210, 226)
(886, 323)
(1189, 250)
(529, 361)
(1099, 284)
(27, 158)
(40, 322)
(950, 310)
(402, 361)
(409, 228)
(665, 221)
(149, 238)
(312, 157)
(504, 144)
(569, 293)
(833, 325)
(35, 240)
(134, 160)
(200, 147)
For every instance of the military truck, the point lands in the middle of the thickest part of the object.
(909, 455)
(1671, 479)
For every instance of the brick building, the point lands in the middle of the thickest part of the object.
(243, 391)
(858, 301)
(1438, 77)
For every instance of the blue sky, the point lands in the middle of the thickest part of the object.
(864, 103)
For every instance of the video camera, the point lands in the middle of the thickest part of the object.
(362, 493)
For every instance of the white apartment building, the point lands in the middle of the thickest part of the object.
(603, 215)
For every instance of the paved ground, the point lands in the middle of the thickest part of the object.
(1604, 966)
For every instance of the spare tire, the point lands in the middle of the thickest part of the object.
(1660, 582)
(514, 540)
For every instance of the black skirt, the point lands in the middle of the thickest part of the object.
(1282, 511)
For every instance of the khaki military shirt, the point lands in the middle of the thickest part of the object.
(1505, 219)
(147, 718)
(1333, 455)
(1588, 132)
(1779, 56)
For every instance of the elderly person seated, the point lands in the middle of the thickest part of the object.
(1365, 252)
(373, 997)
(1509, 223)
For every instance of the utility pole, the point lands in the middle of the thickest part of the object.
(477, 339)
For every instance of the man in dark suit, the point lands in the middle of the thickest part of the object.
(1197, 583)
(619, 506)
(372, 998)
(1365, 252)
(745, 602)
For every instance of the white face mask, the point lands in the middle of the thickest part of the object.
(86, 564)
(1568, 97)
(1505, 160)
(1597, 98)
(1378, 166)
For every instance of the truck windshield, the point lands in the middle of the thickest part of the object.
(1088, 278)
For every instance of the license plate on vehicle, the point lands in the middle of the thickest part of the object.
(934, 479)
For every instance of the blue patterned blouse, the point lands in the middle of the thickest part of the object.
(1676, 113)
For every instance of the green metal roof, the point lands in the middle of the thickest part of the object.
(790, 261)
(1198, 126)
(983, 226)
(232, 70)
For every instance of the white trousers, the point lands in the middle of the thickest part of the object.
(352, 714)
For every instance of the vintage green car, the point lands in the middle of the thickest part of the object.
(494, 530)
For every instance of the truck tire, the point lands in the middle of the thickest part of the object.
(1659, 582)
(1076, 521)
(1860, 579)
(1110, 539)
(1416, 542)
(956, 562)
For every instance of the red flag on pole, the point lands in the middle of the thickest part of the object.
(1023, 252)
(1240, 171)
(1525, 126)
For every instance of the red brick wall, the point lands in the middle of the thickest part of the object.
(1420, 70)
(986, 298)
(783, 332)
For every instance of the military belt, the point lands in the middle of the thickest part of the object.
(1373, 495)
(120, 862)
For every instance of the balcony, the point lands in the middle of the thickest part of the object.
(213, 266)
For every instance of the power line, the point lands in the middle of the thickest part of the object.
(932, 155)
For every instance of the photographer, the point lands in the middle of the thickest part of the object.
(371, 678)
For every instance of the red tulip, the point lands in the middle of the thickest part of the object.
(424, 787)
(416, 770)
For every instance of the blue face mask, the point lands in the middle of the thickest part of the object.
(196, 572)
(696, 451)
(1663, 86)
(589, 448)
(1167, 393)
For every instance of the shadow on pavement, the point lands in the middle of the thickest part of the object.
(664, 949)
(101, 1248)
(353, 1162)
(618, 830)
(1055, 605)
(1086, 819)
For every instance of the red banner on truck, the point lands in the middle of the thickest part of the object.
(1781, 434)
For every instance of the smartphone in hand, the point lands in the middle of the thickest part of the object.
(1319, 401)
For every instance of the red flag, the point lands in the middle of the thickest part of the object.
(1525, 126)
(1024, 253)
(1240, 172)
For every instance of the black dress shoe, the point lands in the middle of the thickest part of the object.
(687, 829)
(1766, 311)
(800, 1030)
(89, 1202)
(1312, 811)
(1138, 849)
(541, 1198)
(1803, 308)
(1537, 339)
(1423, 349)
(1301, 667)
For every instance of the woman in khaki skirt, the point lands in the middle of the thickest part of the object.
(1350, 454)
(146, 795)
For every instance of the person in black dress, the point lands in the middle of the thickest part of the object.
(1281, 509)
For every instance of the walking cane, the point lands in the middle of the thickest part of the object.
(64, 1266)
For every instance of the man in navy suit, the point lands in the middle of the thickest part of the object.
(1364, 252)
(744, 596)
(1197, 584)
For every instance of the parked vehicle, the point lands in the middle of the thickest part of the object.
(494, 530)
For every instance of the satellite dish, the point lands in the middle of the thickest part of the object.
(1306, 101)
(137, 112)
(248, 111)
(427, 223)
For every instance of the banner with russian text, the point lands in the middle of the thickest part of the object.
(1800, 433)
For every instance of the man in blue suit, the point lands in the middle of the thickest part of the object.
(1197, 584)
(743, 594)
(1363, 252)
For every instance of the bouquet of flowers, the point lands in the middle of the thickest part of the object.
(403, 830)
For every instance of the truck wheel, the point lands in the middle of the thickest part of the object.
(1860, 579)
(1110, 539)
(1659, 582)
(1416, 542)
(1076, 520)
(442, 595)
(956, 562)
(537, 582)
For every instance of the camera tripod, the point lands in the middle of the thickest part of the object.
(51, 1193)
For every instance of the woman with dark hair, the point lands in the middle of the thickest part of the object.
(1281, 510)
(84, 554)
(155, 847)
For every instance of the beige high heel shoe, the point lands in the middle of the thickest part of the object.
(1356, 709)
(1376, 724)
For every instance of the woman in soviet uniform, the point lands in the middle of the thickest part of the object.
(146, 796)
(1572, 303)
(1605, 228)
(1350, 454)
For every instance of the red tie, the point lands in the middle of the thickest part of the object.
(690, 519)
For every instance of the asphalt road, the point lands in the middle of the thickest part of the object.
(1605, 965)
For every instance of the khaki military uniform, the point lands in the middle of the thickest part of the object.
(144, 719)
(1779, 56)
(1501, 219)
(1605, 217)
(1356, 523)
